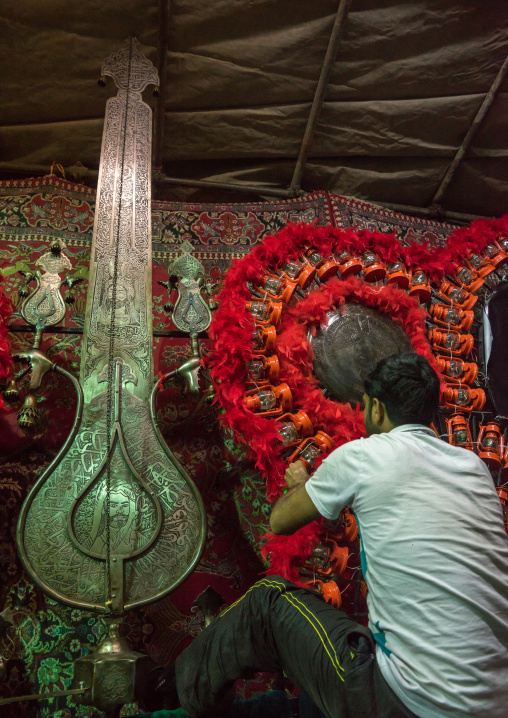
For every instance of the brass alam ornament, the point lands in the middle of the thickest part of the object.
(45, 306)
(191, 312)
(115, 521)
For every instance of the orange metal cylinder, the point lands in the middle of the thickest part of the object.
(420, 287)
(373, 269)
(490, 444)
(265, 339)
(459, 434)
(309, 449)
(458, 296)
(397, 274)
(348, 264)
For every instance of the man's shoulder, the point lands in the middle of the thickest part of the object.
(407, 439)
(380, 449)
(362, 445)
(349, 448)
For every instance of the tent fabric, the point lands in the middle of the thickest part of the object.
(405, 86)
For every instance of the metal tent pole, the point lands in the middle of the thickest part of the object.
(484, 108)
(319, 95)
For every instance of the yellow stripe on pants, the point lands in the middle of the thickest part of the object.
(311, 618)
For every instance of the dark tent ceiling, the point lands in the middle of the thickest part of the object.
(406, 81)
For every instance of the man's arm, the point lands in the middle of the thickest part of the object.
(295, 508)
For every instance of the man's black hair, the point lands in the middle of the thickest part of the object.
(407, 386)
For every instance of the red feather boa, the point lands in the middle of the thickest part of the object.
(233, 327)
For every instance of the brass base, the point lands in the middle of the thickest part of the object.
(109, 673)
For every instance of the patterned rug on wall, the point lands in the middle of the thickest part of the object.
(33, 213)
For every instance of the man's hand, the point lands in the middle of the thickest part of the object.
(296, 474)
(295, 508)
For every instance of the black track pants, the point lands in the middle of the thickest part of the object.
(279, 627)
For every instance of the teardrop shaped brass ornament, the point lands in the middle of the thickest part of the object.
(157, 519)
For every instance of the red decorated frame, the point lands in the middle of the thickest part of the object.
(233, 328)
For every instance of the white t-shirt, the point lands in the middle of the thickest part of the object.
(435, 559)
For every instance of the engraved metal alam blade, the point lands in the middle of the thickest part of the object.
(156, 517)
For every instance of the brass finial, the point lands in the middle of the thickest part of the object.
(28, 415)
(11, 394)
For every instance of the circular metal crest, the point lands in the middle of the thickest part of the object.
(350, 345)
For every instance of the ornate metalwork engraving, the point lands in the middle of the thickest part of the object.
(67, 570)
(191, 312)
(135, 76)
(349, 347)
(122, 217)
(115, 516)
(45, 306)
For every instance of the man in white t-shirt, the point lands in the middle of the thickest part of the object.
(435, 559)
